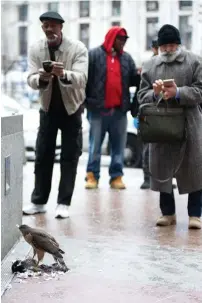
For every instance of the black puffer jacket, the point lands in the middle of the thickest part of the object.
(95, 90)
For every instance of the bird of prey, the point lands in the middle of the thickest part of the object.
(43, 242)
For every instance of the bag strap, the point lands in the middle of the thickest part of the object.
(156, 103)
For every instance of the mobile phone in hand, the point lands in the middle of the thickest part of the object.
(47, 66)
(168, 82)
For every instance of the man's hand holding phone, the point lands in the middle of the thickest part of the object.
(45, 72)
(157, 87)
(51, 68)
(169, 89)
(58, 69)
(44, 76)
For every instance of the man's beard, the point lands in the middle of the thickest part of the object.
(53, 40)
(170, 56)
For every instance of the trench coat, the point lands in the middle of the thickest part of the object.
(186, 70)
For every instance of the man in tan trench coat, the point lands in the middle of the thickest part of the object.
(173, 62)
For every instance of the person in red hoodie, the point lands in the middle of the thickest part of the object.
(112, 72)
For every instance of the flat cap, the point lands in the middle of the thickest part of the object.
(51, 16)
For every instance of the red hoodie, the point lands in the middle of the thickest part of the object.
(113, 88)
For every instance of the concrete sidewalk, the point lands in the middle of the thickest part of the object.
(113, 248)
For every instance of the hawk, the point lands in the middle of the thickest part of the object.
(43, 242)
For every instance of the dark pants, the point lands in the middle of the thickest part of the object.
(114, 122)
(71, 138)
(145, 161)
(167, 204)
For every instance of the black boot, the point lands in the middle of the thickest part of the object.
(145, 184)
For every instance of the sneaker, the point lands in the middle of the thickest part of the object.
(91, 182)
(117, 183)
(166, 220)
(194, 223)
(34, 209)
(145, 184)
(62, 211)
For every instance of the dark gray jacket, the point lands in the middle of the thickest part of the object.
(95, 90)
(164, 158)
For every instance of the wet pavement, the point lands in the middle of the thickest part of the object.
(113, 248)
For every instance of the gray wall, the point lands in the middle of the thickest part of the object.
(11, 202)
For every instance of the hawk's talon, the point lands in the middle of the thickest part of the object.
(35, 269)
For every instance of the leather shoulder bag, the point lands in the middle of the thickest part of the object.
(159, 123)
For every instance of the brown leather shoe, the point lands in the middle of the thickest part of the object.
(166, 220)
(117, 183)
(194, 223)
(91, 182)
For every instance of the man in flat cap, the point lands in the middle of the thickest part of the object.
(173, 62)
(61, 81)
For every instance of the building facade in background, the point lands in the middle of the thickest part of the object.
(89, 21)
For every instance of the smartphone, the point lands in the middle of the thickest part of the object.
(168, 82)
(47, 66)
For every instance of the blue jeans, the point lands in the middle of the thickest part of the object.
(167, 204)
(113, 121)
